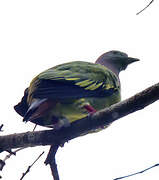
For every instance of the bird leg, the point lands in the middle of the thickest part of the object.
(90, 109)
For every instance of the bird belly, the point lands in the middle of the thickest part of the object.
(70, 110)
(74, 110)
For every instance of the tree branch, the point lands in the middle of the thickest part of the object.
(52, 162)
(99, 119)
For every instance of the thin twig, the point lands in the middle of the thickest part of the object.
(52, 162)
(137, 172)
(34, 127)
(10, 152)
(145, 7)
(1, 127)
(2, 162)
(13, 153)
(29, 167)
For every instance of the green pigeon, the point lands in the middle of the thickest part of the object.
(71, 91)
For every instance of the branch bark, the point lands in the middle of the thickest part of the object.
(99, 119)
(52, 161)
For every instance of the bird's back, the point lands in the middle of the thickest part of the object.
(72, 85)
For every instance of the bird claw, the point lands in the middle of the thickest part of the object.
(63, 122)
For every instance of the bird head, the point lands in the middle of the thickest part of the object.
(116, 61)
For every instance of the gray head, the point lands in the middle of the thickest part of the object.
(116, 61)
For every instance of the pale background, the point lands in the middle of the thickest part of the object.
(35, 35)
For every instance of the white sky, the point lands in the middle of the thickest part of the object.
(36, 35)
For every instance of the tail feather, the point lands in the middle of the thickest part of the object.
(33, 109)
(39, 108)
(22, 107)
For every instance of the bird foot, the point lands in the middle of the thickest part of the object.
(63, 122)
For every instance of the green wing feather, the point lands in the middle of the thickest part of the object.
(74, 80)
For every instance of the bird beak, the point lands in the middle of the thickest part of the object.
(131, 60)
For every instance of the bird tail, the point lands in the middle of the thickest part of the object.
(36, 109)
(22, 107)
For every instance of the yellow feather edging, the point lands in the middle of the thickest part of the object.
(72, 79)
(84, 83)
